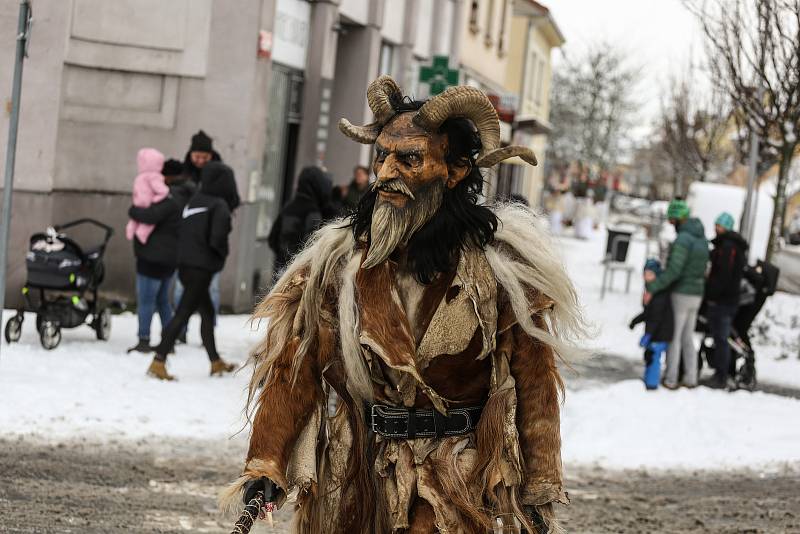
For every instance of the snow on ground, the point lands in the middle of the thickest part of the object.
(623, 426)
(93, 389)
(777, 353)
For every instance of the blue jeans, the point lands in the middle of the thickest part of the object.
(652, 370)
(213, 291)
(152, 294)
(720, 319)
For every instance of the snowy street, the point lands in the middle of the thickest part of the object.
(86, 421)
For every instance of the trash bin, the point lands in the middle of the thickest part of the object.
(622, 235)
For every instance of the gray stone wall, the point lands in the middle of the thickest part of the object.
(105, 79)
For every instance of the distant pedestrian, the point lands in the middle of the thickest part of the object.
(659, 326)
(557, 186)
(157, 258)
(308, 209)
(684, 278)
(202, 250)
(148, 188)
(358, 186)
(728, 261)
(201, 152)
(583, 219)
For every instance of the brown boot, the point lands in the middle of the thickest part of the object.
(158, 369)
(220, 367)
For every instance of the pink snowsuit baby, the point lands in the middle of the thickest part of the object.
(148, 188)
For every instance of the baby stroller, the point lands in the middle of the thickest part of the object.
(64, 275)
(758, 284)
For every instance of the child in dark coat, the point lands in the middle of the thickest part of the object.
(658, 327)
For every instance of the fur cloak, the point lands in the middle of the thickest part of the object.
(338, 338)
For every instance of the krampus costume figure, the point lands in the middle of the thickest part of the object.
(408, 380)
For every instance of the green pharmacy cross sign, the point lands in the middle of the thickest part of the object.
(438, 76)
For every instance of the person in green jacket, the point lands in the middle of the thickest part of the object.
(684, 278)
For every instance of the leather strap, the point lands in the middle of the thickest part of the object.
(410, 423)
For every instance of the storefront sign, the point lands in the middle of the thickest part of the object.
(292, 24)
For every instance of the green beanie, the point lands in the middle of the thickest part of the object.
(677, 209)
(725, 220)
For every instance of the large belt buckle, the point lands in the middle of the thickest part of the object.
(467, 420)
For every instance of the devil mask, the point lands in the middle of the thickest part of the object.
(421, 161)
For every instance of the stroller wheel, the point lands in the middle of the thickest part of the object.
(50, 335)
(13, 330)
(102, 324)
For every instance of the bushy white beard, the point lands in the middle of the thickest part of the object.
(392, 226)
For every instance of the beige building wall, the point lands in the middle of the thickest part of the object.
(485, 40)
(529, 75)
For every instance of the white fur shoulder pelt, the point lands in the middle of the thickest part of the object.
(524, 254)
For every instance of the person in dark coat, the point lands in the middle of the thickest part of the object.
(308, 209)
(659, 327)
(358, 186)
(723, 286)
(202, 250)
(157, 259)
(201, 152)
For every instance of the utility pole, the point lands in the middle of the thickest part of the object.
(23, 34)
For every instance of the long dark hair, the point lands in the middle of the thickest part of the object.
(459, 222)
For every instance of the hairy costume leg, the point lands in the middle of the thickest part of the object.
(422, 518)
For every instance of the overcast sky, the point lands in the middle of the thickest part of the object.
(660, 36)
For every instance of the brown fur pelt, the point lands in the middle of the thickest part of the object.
(314, 317)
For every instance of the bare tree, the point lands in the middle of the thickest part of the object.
(693, 129)
(592, 106)
(754, 55)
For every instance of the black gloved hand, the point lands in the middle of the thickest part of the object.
(536, 519)
(631, 325)
(264, 485)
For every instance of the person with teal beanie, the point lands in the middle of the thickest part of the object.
(728, 260)
(684, 279)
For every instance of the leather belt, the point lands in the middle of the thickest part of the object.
(410, 423)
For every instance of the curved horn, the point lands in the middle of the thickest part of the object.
(381, 93)
(363, 134)
(471, 103)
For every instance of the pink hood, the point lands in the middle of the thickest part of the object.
(149, 160)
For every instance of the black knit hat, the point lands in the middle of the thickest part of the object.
(172, 167)
(201, 142)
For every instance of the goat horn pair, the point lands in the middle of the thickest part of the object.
(462, 101)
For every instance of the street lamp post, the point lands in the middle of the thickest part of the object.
(23, 34)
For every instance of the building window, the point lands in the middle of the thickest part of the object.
(530, 82)
(487, 38)
(473, 16)
(386, 65)
(501, 39)
(540, 82)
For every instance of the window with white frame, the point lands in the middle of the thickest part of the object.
(487, 36)
(530, 81)
(540, 81)
(474, 10)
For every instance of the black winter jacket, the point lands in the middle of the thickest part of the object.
(203, 236)
(728, 260)
(161, 248)
(305, 213)
(658, 319)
